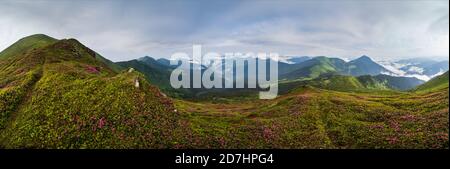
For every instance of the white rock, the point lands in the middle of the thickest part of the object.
(136, 83)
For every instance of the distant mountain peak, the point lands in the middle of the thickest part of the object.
(38, 36)
(320, 57)
(147, 58)
(364, 58)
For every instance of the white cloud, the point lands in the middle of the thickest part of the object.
(122, 30)
(416, 69)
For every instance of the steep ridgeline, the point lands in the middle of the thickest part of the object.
(61, 94)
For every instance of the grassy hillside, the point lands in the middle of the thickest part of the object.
(366, 83)
(390, 82)
(315, 118)
(25, 44)
(437, 83)
(339, 83)
(312, 68)
(62, 96)
(110, 64)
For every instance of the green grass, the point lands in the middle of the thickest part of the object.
(61, 96)
(26, 44)
(65, 111)
(437, 83)
(10, 98)
(317, 118)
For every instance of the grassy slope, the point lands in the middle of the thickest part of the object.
(437, 83)
(110, 64)
(315, 118)
(20, 67)
(313, 68)
(25, 44)
(398, 83)
(363, 84)
(77, 101)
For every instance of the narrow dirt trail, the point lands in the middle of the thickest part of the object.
(26, 97)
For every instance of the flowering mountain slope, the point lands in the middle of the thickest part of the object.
(60, 95)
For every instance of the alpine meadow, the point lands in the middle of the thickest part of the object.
(343, 75)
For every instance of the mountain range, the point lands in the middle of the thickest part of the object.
(62, 94)
(313, 67)
(306, 69)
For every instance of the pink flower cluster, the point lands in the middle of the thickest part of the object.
(408, 117)
(101, 123)
(392, 140)
(92, 69)
(268, 134)
(394, 125)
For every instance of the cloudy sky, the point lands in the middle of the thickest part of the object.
(123, 30)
